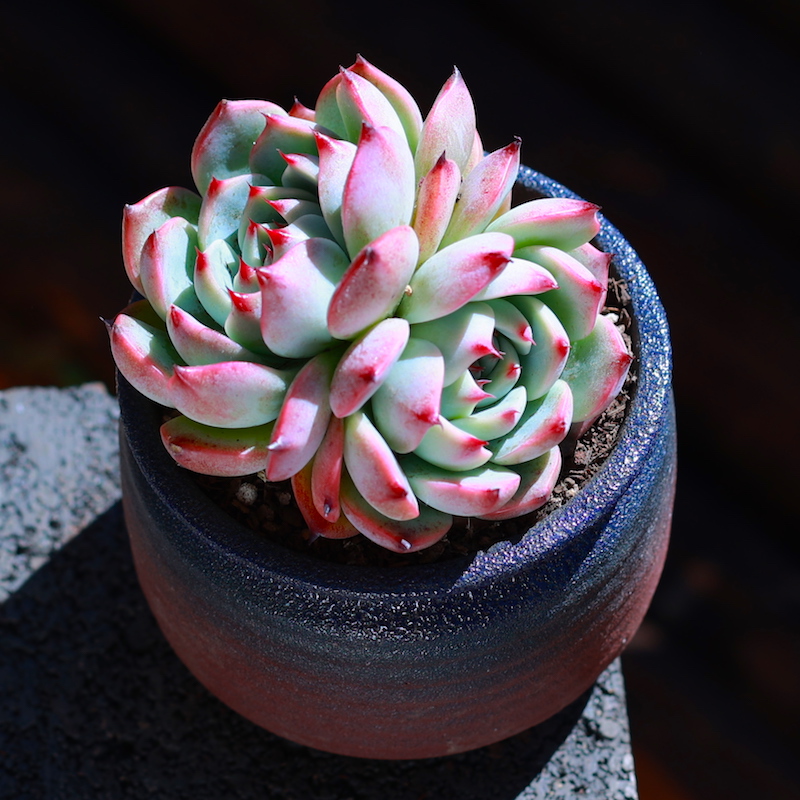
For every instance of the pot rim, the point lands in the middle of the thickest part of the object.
(650, 406)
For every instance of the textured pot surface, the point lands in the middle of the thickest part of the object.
(430, 660)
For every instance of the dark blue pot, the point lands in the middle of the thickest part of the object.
(426, 660)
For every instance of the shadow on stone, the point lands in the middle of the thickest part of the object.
(96, 704)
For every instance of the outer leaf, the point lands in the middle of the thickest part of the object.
(449, 127)
(379, 192)
(557, 221)
(303, 419)
(216, 451)
(366, 364)
(199, 344)
(484, 192)
(339, 528)
(467, 494)
(146, 216)
(538, 477)
(401, 536)
(231, 394)
(543, 425)
(454, 275)
(373, 283)
(326, 474)
(296, 290)
(222, 148)
(143, 352)
(166, 265)
(407, 403)
(375, 472)
(596, 369)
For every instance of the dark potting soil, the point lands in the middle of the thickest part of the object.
(269, 509)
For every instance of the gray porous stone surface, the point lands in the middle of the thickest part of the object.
(93, 703)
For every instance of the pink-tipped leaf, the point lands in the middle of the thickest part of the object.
(436, 198)
(326, 474)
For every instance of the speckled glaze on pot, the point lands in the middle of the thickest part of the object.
(430, 660)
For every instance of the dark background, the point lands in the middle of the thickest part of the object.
(680, 120)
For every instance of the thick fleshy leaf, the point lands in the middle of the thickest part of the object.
(335, 160)
(216, 451)
(483, 193)
(142, 218)
(407, 403)
(463, 337)
(467, 494)
(199, 344)
(596, 261)
(374, 282)
(543, 425)
(296, 290)
(537, 479)
(460, 398)
(301, 111)
(374, 469)
(519, 276)
(495, 420)
(452, 277)
(326, 111)
(301, 172)
(366, 363)
(449, 127)
(596, 369)
(258, 208)
(231, 394)
(436, 198)
(448, 446)
(361, 102)
(213, 279)
(282, 240)
(302, 488)
(223, 146)
(281, 134)
(401, 536)
(579, 297)
(543, 363)
(223, 208)
(243, 324)
(503, 374)
(143, 352)
(326, 475)
(379, 191)
(513, 324)
(558, 221)
(291, 209)
(166, 267)
(303, 418)
(402, 102)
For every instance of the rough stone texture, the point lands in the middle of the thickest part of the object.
(93, 703)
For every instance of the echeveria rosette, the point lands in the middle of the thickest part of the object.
(350, 301)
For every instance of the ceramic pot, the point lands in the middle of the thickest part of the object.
(432, 659)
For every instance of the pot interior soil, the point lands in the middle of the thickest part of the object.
(269, 509)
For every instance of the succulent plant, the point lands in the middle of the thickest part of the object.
(350, 301)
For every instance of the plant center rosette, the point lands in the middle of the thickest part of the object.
(351, 301)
